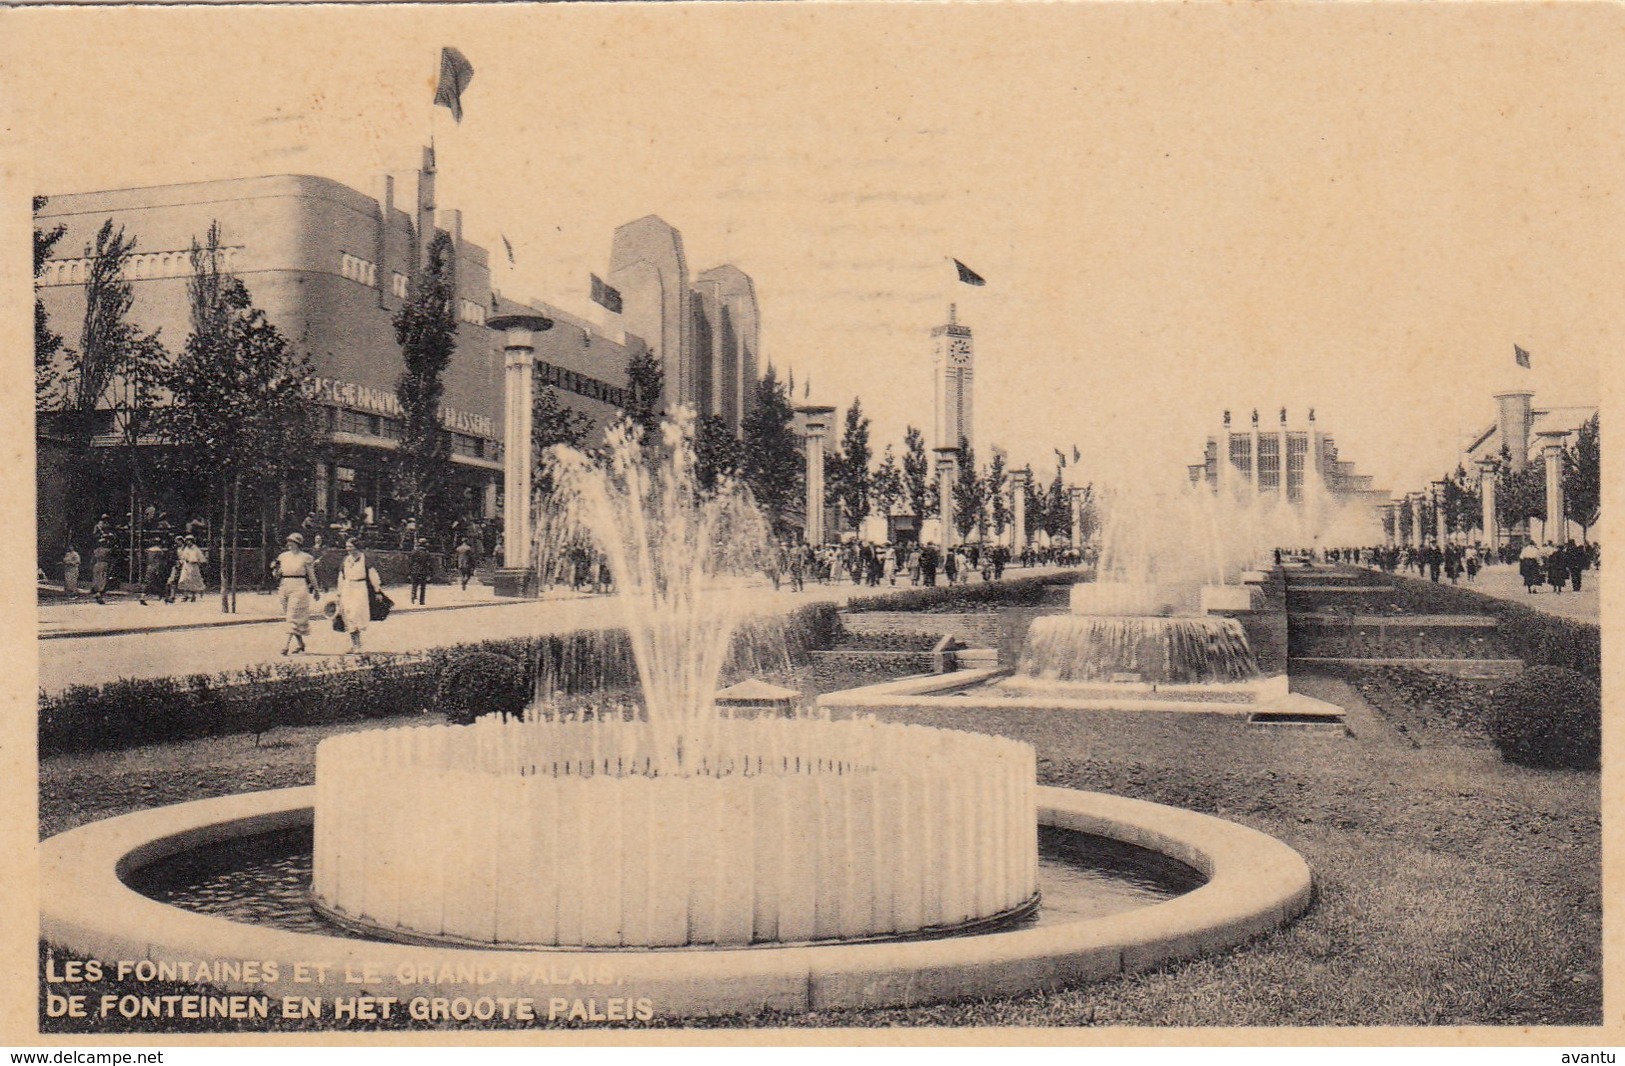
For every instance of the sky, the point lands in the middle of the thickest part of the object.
(1177, 208)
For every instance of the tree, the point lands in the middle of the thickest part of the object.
(1057, 515)
(46, 343)
(1034, 516)
(886, 487)
(1519, 495)
(718, 454)
(1389, 523)
(773, 464)
(917, 476)
(994, 488)
(113, 357)
(241, 410)
(967, 491)
(1463, 507)
(426, 330)
(1407, 522)
(646, 385)
(552, 423)
(1582, 476)
(852, 480)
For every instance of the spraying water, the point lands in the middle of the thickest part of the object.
(667, 544)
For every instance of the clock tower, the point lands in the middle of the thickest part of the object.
(952, 368)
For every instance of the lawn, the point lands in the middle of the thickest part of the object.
(1451, 889)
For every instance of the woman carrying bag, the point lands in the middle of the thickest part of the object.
(360, 593)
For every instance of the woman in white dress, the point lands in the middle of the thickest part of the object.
(190, 582)
(296, 585)
(355, 605)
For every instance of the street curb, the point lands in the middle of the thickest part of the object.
(125, 631)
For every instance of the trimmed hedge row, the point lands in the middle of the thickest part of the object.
(133, 711)
(1011, 592)
(1539, 639)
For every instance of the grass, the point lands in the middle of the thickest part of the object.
(1451, 889)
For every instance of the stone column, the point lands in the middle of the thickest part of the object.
(817, 421)
(947, 474)
(516, 577)
(1557, 523)
(1225, 472)
(1441, 527)
(1417, 536)
(1486, 493)
(1074, 499)
(1019, 480)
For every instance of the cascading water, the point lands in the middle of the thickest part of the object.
(1178, 651)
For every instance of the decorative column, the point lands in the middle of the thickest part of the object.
(1557, 523)
(516, 577)
(1486, 494)
(1441, 526)
(1074, 499)
(816, 422)
(1252, 472)
(947, 474)
(1225, 473)
(1417, 536)
(1019, 480)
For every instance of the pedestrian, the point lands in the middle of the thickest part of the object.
(190, 583)
(1557, 568)
(1579, 561)
(100, 561)
(357, 583)
(70, 572)
(298, 588)
(420, 568)
(158, 563)
(1529, 567)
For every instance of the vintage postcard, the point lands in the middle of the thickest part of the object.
(856, 523)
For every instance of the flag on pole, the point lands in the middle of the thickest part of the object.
(455, 74)
(1060, 457)
(1077, 456)
(1521, 356)
(507, 246)
(606, 296)
(967, 275)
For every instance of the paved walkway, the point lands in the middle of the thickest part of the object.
(110, 642)
(1504, 583)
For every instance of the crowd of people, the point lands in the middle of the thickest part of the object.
(864, 563)
(1556, 565)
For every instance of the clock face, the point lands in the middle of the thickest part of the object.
(959, 351)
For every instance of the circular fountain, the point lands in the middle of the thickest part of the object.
(499, 855)
(560, 834)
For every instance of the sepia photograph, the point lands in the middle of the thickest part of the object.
(842, 522)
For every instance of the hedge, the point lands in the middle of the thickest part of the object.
(1016, 592)
(133, 711)
(1548, 717)
(1539, 639)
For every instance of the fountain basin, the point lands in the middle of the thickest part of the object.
(1254, 884)
(1242, 597)
(564, 834)
(1120, 598)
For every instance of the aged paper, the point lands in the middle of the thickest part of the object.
(1372, 219)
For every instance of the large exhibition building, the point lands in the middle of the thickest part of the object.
(331, 266)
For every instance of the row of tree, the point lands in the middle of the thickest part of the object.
(1520, 495)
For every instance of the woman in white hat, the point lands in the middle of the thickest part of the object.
(296, 584)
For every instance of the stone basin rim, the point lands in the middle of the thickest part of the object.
(1256, 884)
